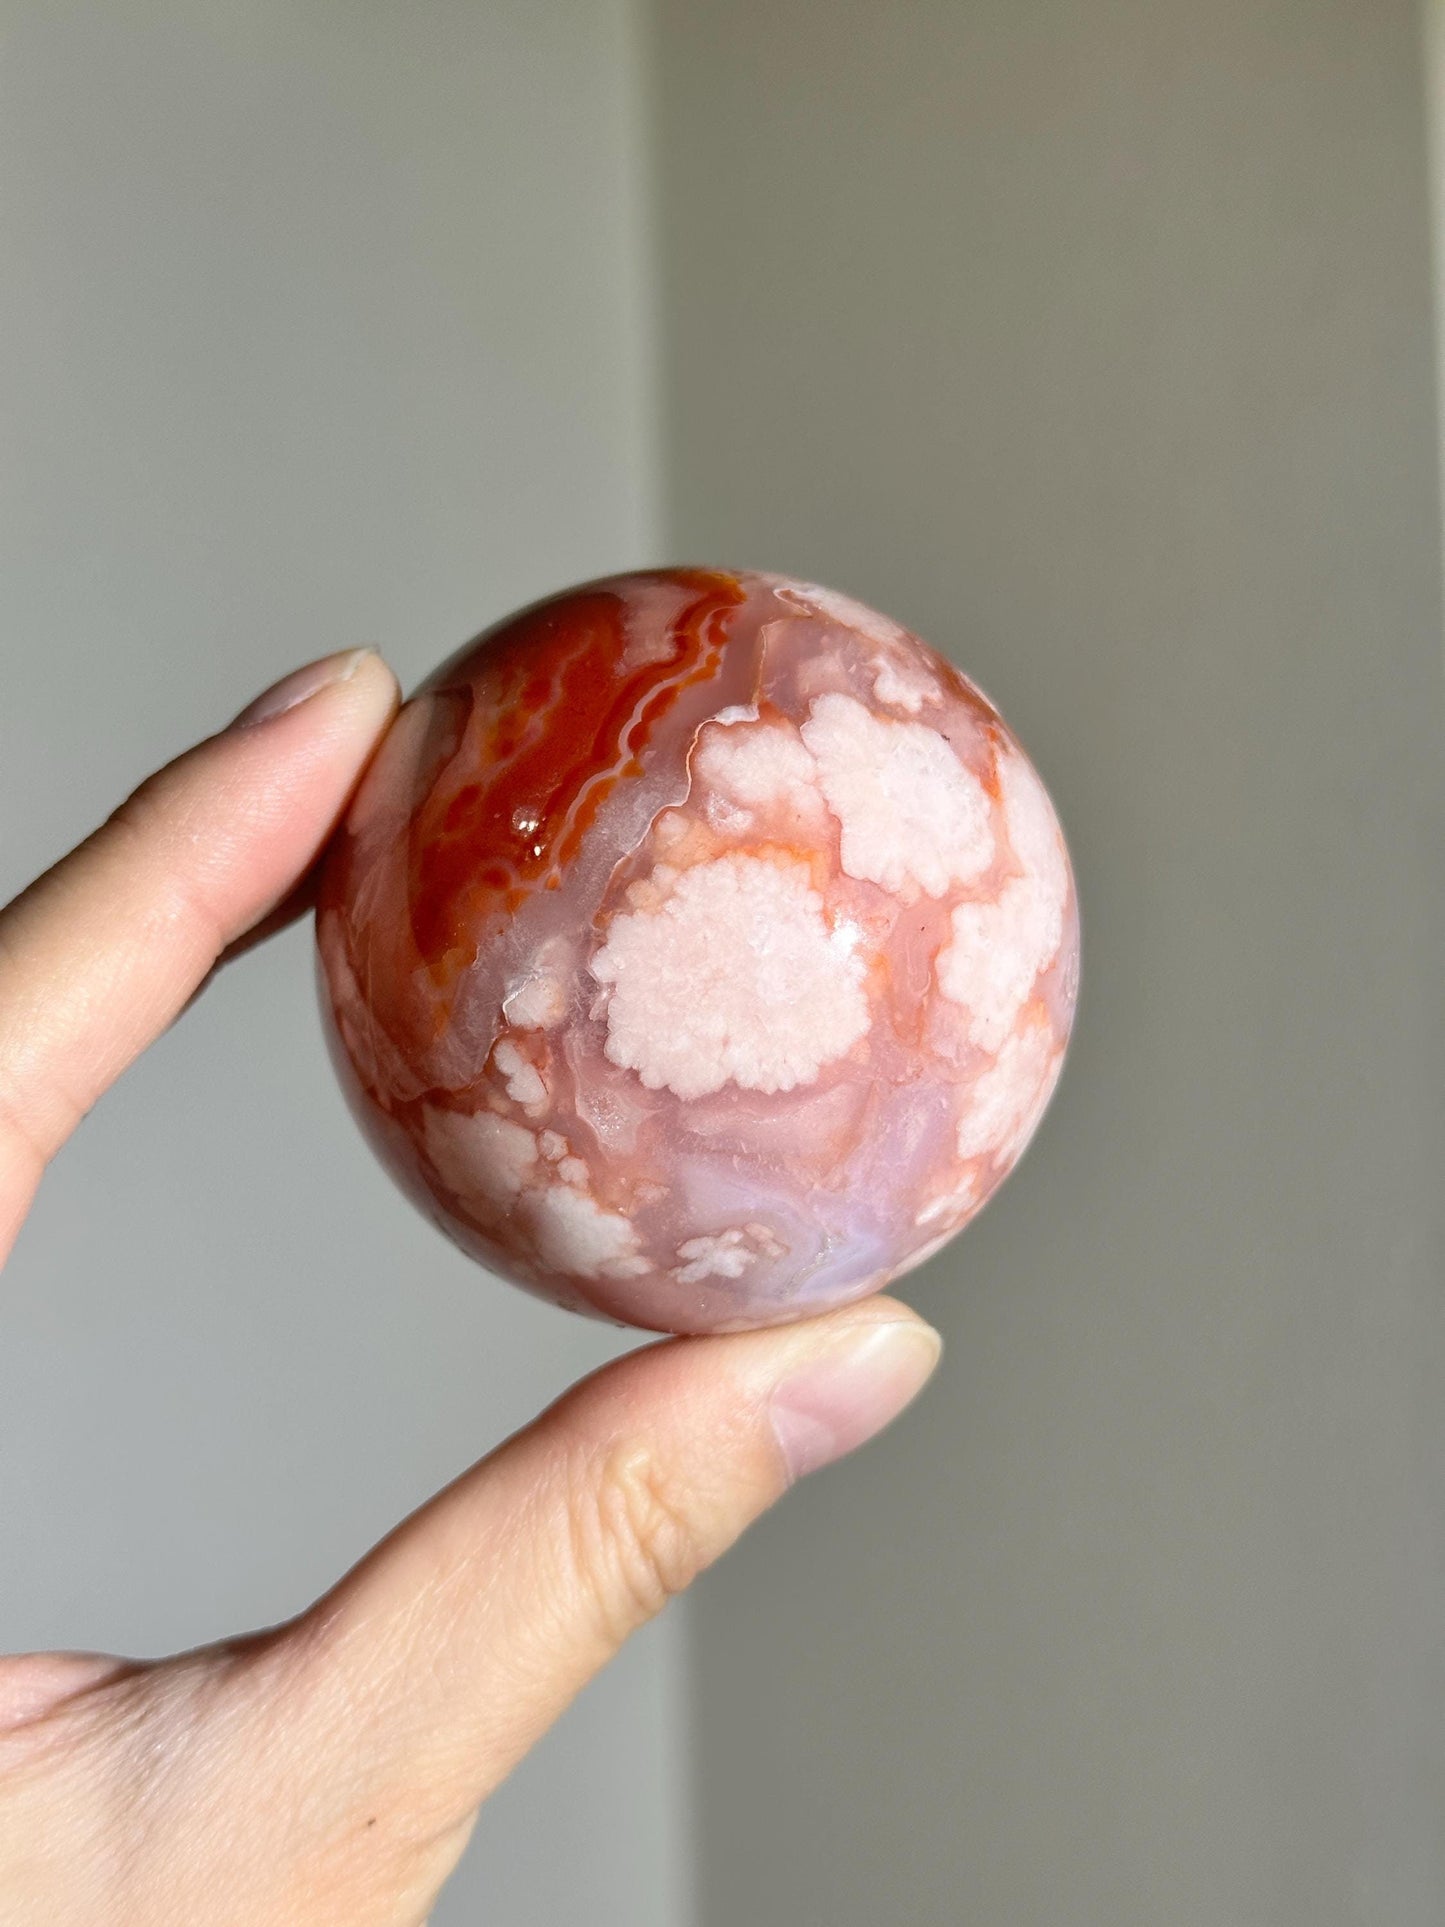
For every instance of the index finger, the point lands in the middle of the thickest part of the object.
(100, 954)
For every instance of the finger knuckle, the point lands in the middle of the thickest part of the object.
(144, 817)
(637, 1539)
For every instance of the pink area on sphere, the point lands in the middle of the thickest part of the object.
(700, 949)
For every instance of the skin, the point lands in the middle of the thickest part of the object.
(330, 1768)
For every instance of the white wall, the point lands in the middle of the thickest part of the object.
(1093, 338)
(320, 325)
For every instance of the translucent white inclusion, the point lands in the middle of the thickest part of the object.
(735, 977)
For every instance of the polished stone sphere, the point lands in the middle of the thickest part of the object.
(700, 949)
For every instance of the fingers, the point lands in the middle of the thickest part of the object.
(414, 1687)
(100, 954)
(330, 1770)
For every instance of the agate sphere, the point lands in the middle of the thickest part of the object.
(699, 950)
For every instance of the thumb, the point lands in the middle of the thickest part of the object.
(413, 1687)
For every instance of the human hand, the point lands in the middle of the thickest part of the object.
(330, 1769)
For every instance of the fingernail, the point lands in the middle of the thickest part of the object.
(838, 1401)
(301, 685)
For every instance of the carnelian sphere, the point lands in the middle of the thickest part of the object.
(700, 949)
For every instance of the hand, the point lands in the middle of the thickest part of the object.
(329, 1770)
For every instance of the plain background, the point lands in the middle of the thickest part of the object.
(1093, 339)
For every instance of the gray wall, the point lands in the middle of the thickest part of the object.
(1092, 337)
(320, 326)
